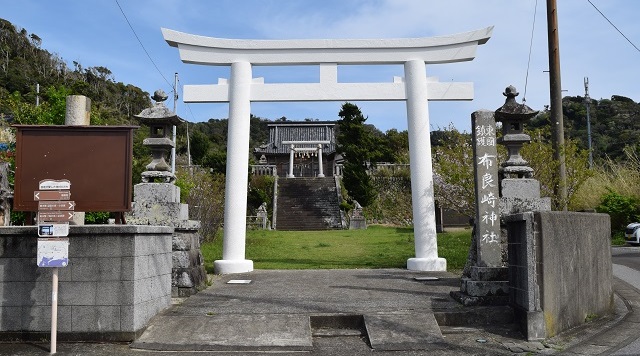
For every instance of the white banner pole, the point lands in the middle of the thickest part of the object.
(54, 309)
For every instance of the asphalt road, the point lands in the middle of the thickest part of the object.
(626, 266)
(627, 256)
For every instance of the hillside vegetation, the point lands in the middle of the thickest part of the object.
(615, 124)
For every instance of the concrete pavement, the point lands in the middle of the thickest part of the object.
(349, 312)
(394, 310)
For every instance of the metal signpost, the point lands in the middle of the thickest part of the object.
(55, 210)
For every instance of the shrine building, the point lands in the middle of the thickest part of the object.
(299, 149)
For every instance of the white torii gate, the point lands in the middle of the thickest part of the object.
(241, 89)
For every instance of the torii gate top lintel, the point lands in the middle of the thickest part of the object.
(223, 51)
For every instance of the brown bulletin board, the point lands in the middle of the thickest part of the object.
(97, 160)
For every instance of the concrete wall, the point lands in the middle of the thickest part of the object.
(563, 269)
(118, 277)
(576, 268)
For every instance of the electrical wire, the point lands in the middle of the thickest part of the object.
(526, 79)
(143, 48)
(193, 117)
(614, 26)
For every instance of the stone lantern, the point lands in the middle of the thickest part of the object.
(160, 121)
(156, 201)
(513, 117)
(519, 191)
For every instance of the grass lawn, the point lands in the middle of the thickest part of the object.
(375, 247)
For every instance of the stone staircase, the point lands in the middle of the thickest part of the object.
(307, 204)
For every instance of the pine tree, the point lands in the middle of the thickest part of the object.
(354, 142)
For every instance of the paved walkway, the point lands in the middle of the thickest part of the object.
(283, 310)
(349, 312)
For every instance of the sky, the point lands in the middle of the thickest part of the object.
(125, 37)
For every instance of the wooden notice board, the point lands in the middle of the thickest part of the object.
(96, 159)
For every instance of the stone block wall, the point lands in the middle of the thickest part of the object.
(159, 204)
(118, 278)
(188, 272)
(560, 269)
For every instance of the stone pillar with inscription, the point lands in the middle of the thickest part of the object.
(487, 282)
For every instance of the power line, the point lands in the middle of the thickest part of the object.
(614, 26)
(187, 104)
(533, 27)
(143, 48)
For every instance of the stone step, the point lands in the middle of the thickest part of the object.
(287, 332)
(235, 332)
(307, 204)
(402, 332)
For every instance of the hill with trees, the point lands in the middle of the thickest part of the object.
(615, 124)
(25, 64)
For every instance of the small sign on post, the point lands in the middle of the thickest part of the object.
(50, 230)
(55, 216)
(54, 213)
(53, 252)
(51, 195)
(56, 205)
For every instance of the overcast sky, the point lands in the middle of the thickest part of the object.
(96, 33)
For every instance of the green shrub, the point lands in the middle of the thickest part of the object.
(622, 209)
(346, 206)
(204, 192)
(617, 238)
(260, 191)
(96, 217)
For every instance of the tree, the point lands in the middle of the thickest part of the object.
(453, 170)
(216, 161)
(453, 167)
(354, 142)
(199, 146)
(398, 144)
(539, 154)
(204, 192)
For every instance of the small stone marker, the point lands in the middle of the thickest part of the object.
(239, 281)
(357, 220)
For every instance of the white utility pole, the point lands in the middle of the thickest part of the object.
(587, 102)
(175, 104)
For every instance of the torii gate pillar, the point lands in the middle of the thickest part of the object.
(235, 194)
(424, 217)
